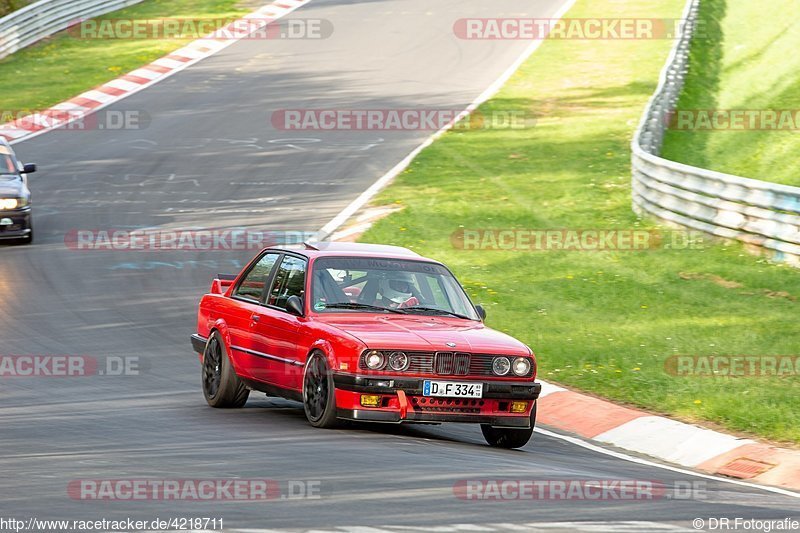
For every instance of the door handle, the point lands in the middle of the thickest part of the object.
(255, 318)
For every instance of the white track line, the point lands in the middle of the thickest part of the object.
(625, 457)
(387, 178)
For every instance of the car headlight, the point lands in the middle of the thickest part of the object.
(398, 361)
(521, 366)
(10, 203)
(375, 360)
(501, 366)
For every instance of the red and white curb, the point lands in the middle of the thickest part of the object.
(95, 99)
(669, 440)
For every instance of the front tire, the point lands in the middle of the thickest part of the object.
(319, 395)
(509, 438)
(221, 386)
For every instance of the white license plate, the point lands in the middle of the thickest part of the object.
(452, 389)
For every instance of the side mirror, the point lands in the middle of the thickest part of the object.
(294, 305)
(29, 169)
(481, 311)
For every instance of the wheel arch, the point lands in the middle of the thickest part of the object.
(221, 327)
(324, 347)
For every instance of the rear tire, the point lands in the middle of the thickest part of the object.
(221, 386)
(319, 394)
(509, 438)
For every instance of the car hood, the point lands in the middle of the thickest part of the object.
(11, 188)
(426, 333)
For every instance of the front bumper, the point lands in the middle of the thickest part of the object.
(403, 401)
(15, 224)
(507, 390)
(370, 415)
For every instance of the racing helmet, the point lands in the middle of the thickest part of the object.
(397, 286)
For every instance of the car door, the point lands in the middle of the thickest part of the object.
(279, 329)
(241, 314)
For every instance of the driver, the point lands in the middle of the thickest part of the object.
(396, 290)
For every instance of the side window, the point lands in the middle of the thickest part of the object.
(437, 293)
(252, 286)
(289, 281)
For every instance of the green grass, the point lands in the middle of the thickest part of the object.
(602, 322)
(749, 62)
(9, 6)
(64, 66)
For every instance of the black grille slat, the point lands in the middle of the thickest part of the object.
(452, 364)
(421, 363)
(481, 364)
(444, 363)
(462, 364)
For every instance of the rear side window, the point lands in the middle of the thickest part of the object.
(252, 286)
(290, 280)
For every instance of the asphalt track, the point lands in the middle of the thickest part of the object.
(210, 158)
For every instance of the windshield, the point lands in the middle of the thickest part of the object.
(370, 285)
(8, 169)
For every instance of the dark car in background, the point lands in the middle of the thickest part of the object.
(15, 197)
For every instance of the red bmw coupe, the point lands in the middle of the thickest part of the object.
(363, 332)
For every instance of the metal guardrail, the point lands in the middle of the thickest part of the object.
(46, 17)
(762, 214)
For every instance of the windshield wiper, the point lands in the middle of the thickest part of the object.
(346, 305)
(436, 310)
